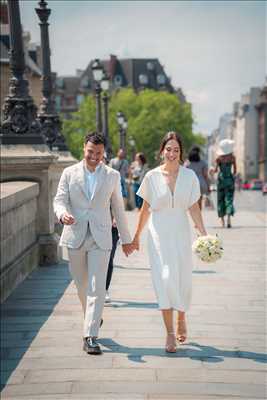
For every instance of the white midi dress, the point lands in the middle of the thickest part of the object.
(169, 235)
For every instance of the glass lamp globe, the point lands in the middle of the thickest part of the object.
(97, 70)
(120, 118)
(105, 83)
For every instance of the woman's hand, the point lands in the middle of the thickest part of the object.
(136, 243)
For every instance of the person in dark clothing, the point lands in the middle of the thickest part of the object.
(226, 168)
(115, 239)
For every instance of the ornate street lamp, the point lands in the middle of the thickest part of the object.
(50, 122)
(132, 144)
(19, 124)
(97, 70)
(122, 122)
(105, 98)
(124, 130)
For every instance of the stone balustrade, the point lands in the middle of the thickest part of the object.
(19, 238)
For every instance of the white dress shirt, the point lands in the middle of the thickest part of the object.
(91, 180)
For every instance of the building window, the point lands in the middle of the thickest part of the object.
(60, 83)
(58, 102)
(150, 66)
(245, 108)
(161, 79)
(85, 82)
(69, 101)
(79, 99)
(143, 79)
(118, 80)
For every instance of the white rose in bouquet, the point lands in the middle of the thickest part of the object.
(208, 248)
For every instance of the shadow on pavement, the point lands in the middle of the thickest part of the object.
(196, 352)
(237, 227)
(132, 268)
(203, 271)
(132, 304)
(25, 312)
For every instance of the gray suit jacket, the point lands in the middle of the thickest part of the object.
(72, 197)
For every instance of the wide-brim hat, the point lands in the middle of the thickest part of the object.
(226, 146)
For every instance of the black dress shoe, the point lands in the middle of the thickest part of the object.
(91, 346)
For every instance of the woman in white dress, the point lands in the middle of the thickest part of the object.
(169, 191)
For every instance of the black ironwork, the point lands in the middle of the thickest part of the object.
(105, 99)
(122, 122)
(122, 137)
(49, 119)
(19, 123)
(98, 91)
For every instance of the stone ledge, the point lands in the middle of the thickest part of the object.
(15, 193)
(19, 270)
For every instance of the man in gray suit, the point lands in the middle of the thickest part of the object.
(86, 191)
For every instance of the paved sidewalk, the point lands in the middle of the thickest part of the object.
(223, 359)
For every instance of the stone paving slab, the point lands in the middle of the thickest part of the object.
(224, 358)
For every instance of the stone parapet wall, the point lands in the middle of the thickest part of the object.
(19, 238)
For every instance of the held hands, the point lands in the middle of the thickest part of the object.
(130, 247)
(127, 249)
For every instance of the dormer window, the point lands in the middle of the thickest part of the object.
(150, 66)
(161, 79)
(118, 80)
(60, 83)
(143, 79)
(85, 82)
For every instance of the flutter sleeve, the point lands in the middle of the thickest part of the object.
(195, 190)
(145, 190)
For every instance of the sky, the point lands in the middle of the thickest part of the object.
(214, 50)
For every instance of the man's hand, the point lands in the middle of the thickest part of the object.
(67, 219)
(127, 249)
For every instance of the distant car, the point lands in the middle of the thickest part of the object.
(264, 188)
(256, 184)
(246, 185)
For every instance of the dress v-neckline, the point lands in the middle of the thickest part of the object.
(176, 180)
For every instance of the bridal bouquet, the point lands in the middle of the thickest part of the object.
(208, 248)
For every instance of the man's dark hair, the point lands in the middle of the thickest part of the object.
(95, 138)
(194, 154)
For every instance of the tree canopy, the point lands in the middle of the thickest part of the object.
(150, 115)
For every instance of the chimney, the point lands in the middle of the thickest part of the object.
(112, 66)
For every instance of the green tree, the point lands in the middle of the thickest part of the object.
(150, 115)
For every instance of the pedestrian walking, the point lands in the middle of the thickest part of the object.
(226, 168)
(168, 191)
(86, 192)
(120, 164)
(138, 170)
(200, 167)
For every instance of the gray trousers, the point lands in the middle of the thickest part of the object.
(88, 267)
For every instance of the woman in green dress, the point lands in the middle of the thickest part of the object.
(226, 168)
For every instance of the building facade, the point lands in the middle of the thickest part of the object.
(134, 73)
(262, 112)
(243, 126)
(246, 135)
